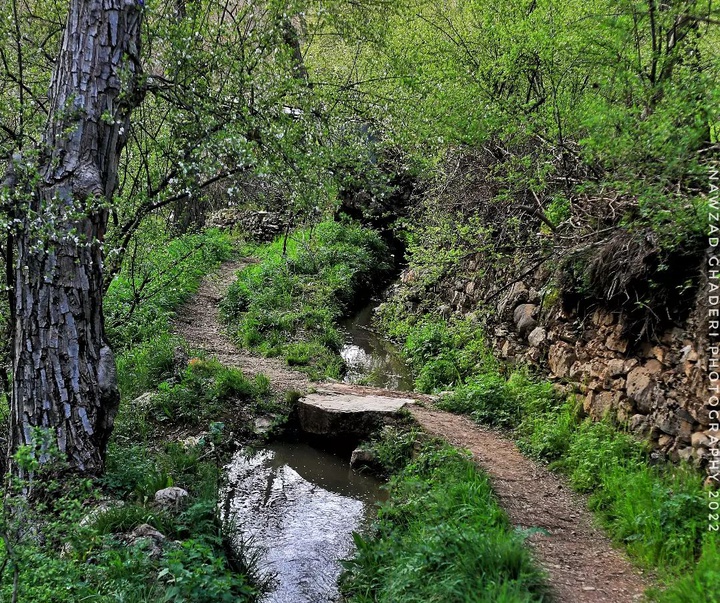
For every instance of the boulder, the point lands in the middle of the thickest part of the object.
(148, 535)
(331, 413)
(523, 318)
(362, 457)
(616, 342)
(641, 386)
(639, 424)
(518, 294)
(537, 337)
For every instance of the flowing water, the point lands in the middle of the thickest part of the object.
(371, 359)
(298, 505)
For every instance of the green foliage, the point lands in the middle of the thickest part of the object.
(204, 390)
(701, 584)
(287, 305)
(155, 280)
(442, 353)
(393, 448)
(143, 367)
(442, 537)
(96, 563)
(195, 573)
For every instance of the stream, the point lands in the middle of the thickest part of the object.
(296, 504)
(371, 359)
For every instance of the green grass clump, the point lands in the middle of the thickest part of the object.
(442, 537)
(288, 305)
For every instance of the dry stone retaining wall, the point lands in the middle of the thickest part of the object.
(658, 388)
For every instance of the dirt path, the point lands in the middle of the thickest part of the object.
(198, 322)
(582, 564)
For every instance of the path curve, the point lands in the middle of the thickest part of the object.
(581, 562)
(198, 322)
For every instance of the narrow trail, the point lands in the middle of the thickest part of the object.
(581, 562)
(198, 322)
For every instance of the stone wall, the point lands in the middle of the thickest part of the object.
(656, 387)
(261, 226)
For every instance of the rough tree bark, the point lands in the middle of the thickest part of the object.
(63, 370)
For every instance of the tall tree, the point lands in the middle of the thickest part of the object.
(63, 369)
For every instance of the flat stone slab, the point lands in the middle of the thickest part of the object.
(331, 413)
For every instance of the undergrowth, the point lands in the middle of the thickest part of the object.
(658, 512)
(288, 304)
(85, 551)
(441, 537)
(88, 555)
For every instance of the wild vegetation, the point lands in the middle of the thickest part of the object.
(89, 550)
(442, 521)
(656, 511)
(572, 137)
(289, 303)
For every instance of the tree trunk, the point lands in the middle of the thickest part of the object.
(63, 370)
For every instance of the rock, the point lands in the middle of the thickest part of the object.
(334, 413)
(143, 401)
(685, 454)
(639, 424)
(263, 425)
(699, 439)
(700, 455)
(616, 342)
(518, 294)
(145, 533)
(598, 317)
(537, 336)
(362, 456)
(560, 358)
(445, 311)
(578, 371)
(102, 507)
(668, 423)
(665, 441)
(615, 368)
(599, 404)
(171, 499)
(641, 385)
(523, 318)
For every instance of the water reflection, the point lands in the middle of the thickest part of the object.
(370, 359)
(299, 505)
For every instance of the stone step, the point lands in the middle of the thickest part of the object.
(328, 412)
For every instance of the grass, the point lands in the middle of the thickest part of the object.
(658, 513)
(288, 305)
(441, 538)
(97, 564)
